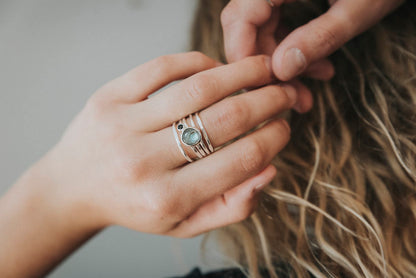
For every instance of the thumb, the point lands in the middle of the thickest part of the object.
(325, 34)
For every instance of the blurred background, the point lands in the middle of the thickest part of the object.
(53, 55)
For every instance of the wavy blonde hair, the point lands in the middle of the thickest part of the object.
(343, 203)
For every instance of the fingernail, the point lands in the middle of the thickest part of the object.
(268, 62)
(294, 62)
(260, 187)
(297, 107)
(291, 93)
(286, 124)
(265, 177)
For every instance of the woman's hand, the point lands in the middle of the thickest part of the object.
(118, 162)
(119, 158)
(249, 28)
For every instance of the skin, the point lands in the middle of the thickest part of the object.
(249, 27)
(118, 163)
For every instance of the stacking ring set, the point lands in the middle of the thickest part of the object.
(191, 138)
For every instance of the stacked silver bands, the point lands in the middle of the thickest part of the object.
(192, 137)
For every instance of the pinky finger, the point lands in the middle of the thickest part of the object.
(233, 206)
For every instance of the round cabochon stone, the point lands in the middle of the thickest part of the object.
(191, 136)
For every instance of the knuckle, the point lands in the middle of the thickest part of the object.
(173, 208)
(162, 203)
(227, 16)
(326, 37)
(132, 169)
(163, 64)
(234, 116)
(258, 65)
(97, 104)
(168, 209)
(200, 87)
(199, 58)
(252, 158)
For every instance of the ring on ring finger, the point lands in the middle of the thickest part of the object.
(189, 137)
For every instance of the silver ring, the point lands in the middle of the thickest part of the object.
(191, 138)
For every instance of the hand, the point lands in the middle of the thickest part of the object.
(118, 162)
(249, 27)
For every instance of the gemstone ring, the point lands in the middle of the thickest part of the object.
(191, 137)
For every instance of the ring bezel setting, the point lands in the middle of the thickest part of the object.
(191, 136)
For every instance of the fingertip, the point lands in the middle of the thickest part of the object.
(270, 171)
(267, 176)
(305, 98)
(321, 70)
(289, 63)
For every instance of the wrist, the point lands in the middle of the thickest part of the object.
(46, 186)
(38, 226)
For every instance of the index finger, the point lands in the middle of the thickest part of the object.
(240, 20)
(201, 90)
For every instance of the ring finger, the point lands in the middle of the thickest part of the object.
(236, 115)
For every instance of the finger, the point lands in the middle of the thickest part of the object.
(240, 19)
(231, 207)
(224, 169)
(271, 34)
(140, 82)
(230, 118)
(305, 99)
(322, 70)
(200, 91)
(266, 35)
(325, 34)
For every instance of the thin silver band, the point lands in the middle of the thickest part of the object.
(174, 126)
(204, 148)
(200, 149)
(198, 119)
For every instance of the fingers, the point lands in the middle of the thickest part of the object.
(240, 19)
(235, 116)
(140, 82)
(266, 41)
(247, 33)
(231, 165)
(201, 90)
(323, 35)
(322, 70)
(233, 206)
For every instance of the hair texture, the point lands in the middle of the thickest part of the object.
(343, 203)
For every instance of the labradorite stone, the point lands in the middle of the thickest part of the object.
(191, 136)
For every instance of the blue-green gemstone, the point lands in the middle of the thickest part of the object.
(191, 136)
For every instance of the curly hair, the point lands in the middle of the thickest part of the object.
(343, 203)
